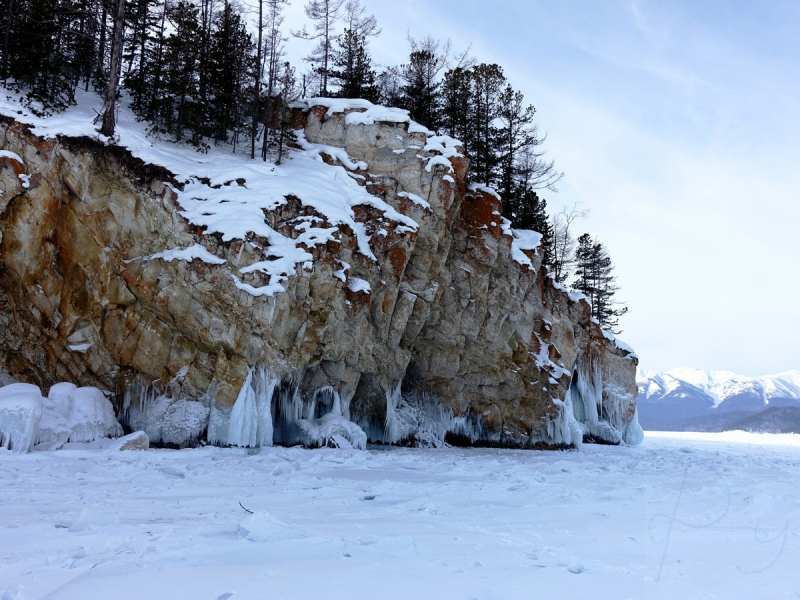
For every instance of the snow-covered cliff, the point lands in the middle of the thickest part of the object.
(360, 291)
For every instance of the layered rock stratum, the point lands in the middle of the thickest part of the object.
(417, 315)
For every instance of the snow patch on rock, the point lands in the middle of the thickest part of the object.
(189, 254)
(523, 239)
(11, 155)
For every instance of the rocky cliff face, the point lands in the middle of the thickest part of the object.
(441, 325)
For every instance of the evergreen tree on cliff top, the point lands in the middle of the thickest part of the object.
(352, 69)
(594, 278)
(421, 92)
(351, 65)
(528, 211)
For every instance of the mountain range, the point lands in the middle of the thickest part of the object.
(687, 399)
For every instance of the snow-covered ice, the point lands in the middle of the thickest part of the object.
(20, 414)
(69, 413)
(681, 516)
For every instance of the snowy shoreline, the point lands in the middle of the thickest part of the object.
(682, 515)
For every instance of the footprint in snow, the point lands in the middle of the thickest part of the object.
(224, 596)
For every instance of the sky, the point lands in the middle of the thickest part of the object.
(677, 124)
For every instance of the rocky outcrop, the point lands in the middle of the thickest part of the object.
(448, 329)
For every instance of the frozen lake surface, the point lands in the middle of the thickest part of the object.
(682, 516)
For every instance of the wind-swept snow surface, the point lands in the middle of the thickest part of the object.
(681, 516)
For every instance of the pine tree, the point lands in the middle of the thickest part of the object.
(351, 65)
(563, 250)
(179, 110)
(142, 20)
(594, 278)
(421, 86)
(146, 80)
(390, 87)
(83, 43)
(270, 68)
(528, 211)
(39, 54)
(421, 91)
(516, 133)
(585, 269)
(109, 115)
(352, 69)
(456, 106)
(488, 83)
(229, 65)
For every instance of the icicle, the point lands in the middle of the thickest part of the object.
(421, 420)
(20, 413)
(633, 435)
(164, 419)
(218, 425)
(184, 423)
(68, 414)
(329, 430)
(265, 390)
(563, 429)
(251, 424)
(601, 409)
(401, 417)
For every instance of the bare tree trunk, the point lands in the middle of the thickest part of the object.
(101, 46)
(109, 117)
(270, 88)
(9, 15)
(326, 49)
(256, 107)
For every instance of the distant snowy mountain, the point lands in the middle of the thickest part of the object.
(688, 399)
